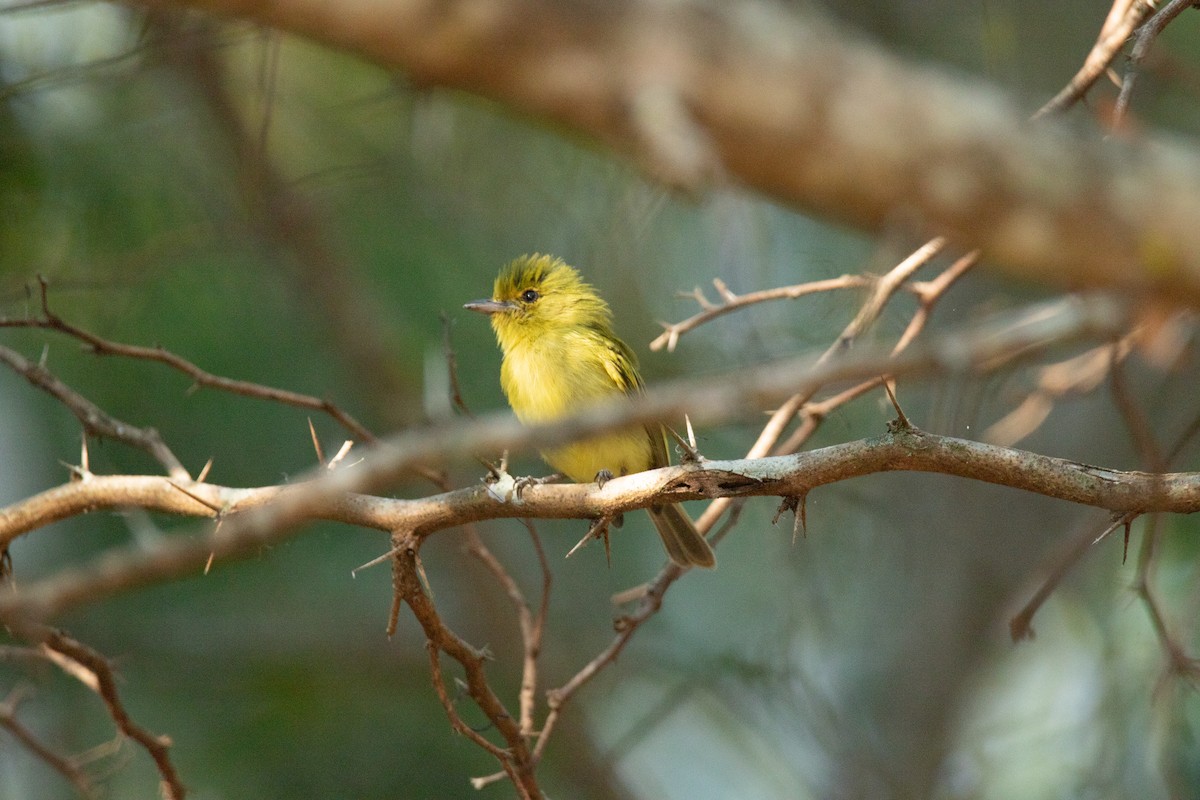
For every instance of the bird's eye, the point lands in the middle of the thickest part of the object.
(529, 295)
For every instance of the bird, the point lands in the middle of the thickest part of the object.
(559, 354)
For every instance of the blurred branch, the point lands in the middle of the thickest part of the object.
(1076, 375)
(94, 671)
(1020, 626)
(67, 767)
(295, 227)
(780, 101)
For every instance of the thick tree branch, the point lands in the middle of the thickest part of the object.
(784, 103)
(1123, 492)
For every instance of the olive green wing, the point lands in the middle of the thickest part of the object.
(621, 364)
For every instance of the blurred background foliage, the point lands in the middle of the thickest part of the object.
(282, 213)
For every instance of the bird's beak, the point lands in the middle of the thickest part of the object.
(488, 306)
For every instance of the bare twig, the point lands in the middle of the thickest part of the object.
(67, 767)
(1179, 663)
(105, 347)
(882, 291)
(1123, 19)
(99, 676)
(1148, 449)
(1020, 625)
(452, 368)
(532, 624)
(95, 420)
(1145, 36)
(515, 757)
(733, 302)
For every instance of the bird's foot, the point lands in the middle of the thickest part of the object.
(505, 487)
(603, 477)
(521, 484)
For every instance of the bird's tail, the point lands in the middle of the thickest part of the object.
(684, 544)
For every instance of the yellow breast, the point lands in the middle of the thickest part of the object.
(548, 378)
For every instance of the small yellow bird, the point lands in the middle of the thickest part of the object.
(560, 353)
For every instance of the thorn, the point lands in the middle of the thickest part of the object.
(421, 573)
(494, 472)
(595, 531)
(689, 454)
(691, 432)
(312, 431)
(901, 422)
(724, 290)
(798, 505)
(45, 355)
(208, 564)
(83, 453)
(204, 472)
(800, 520)
(374, 562)
(342, 452)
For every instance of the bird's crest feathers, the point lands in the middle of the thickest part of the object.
(562, 300)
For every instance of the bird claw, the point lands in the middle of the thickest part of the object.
(506, 488)
(521, 484)
(603, 477)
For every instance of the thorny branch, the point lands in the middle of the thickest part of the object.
(94, 671)
(241, 531)
(200, 377)
(95, 420)
(518, 760)
(515, 757)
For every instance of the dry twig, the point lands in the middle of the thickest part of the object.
(200, 377)
(1124, 17)
(65, 766)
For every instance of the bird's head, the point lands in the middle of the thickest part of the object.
(539, 295)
